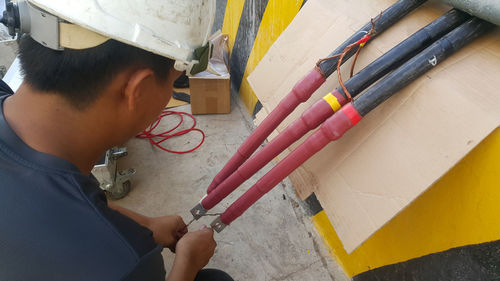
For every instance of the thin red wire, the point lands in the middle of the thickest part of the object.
(151, 136)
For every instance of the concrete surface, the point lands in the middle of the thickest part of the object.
(273, 240)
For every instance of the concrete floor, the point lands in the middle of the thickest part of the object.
(273, 240)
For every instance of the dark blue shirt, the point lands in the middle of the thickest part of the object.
(55, 223)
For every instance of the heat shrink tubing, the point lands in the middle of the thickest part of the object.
(347, 117)
(326, 107)
(303, 90)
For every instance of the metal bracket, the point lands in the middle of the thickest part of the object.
(218, 225)
(118, 152)
(106, 186)
(115, 183)
(123, 176)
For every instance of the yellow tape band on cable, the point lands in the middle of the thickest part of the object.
(332, 101)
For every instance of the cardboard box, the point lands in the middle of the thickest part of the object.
(405, 145)
(210, 95)
(211, 89)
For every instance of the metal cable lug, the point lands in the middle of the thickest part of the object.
(198, 211)
(218, 225)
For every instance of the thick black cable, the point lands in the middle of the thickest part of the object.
(420, 64)
(390, 16)
(404, 51)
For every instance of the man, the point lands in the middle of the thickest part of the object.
(55, 221)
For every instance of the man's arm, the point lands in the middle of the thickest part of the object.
(138, 218)
(194, 249)
(167, 230)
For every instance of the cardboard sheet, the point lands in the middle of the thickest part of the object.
(401, 148)
(175, 103)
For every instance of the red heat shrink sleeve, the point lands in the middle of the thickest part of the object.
(300, 93)
(331, 130)
(309, 120)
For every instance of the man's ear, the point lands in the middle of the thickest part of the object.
(136, 86)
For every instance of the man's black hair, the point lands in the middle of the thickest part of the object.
(81, 75)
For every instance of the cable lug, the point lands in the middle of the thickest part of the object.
(198, 211)
(218, 225)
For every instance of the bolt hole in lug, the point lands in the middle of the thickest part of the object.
(218, 225)
(198, 211)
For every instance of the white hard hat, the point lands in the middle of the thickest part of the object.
(177, 29)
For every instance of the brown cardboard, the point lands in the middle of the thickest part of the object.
(211, 89)
(401, 148)
(175, 103)
(210, 95)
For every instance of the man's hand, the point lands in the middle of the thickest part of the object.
(196, 248)
(167, 230)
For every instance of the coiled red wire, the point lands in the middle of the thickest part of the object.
(156, 139)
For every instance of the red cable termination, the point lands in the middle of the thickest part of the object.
(300, 93)
(331, 130)
(309, 120)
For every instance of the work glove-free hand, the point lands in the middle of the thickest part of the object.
(168, 230)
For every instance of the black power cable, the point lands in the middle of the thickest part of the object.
(420, 64)
(404, 51)
(388, 18)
